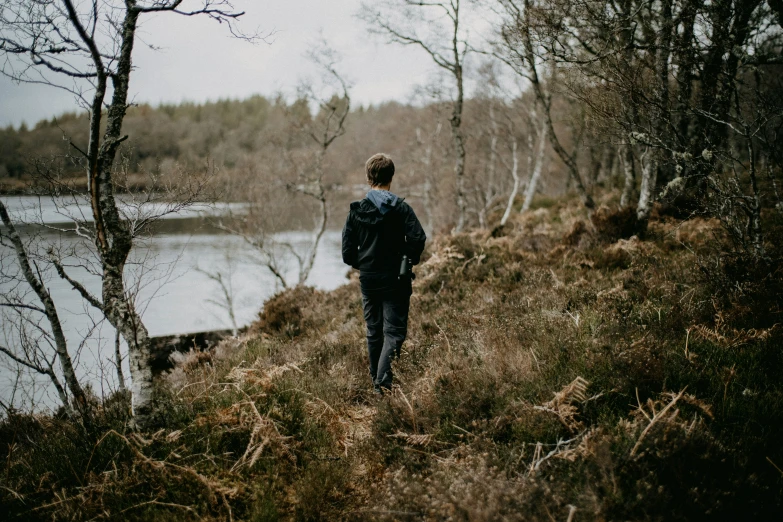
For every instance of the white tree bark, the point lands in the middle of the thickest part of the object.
(649, 179)
(650, 170)
(515, 188)
(50, 311)
(448, 53)
(538, 166)
(118, 362)
(426, 160)
(629, 175)
(493, 159)
(489, 195)
(93, 42)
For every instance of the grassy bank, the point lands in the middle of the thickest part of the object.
(551, 373)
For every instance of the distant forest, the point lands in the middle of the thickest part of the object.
(259, 142)
(674, 104)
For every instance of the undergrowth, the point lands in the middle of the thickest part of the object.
(553, 373)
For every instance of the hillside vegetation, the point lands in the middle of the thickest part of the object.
(552, 372)
(254, 149)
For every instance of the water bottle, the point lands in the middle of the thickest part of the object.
(405, 268)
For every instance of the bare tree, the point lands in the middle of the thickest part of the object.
(327, 126)
(660, 112)
(302, 154)
(31, 355)
(227, 296)
(490, 193)
(428, 189)
(686, 88)
(84, 49)
(515, 187)
(535, 166)
(495, 120)
(521, 48)
(437, 28)
(504, 137)
(507, 123)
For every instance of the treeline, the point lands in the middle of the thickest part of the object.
(257, 141)
(689, 91)
(671, 101)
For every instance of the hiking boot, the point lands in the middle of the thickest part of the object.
(381, 391)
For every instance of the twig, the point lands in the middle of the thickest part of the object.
(774, 465)
(147, 503)
(477, 258)
(463, 430)
(639, 405)
(535, 359)
(538, 459)
(413, 415)
(448, 343)
(655, 419)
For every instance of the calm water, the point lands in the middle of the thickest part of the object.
(175, 296)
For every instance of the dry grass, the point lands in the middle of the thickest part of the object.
(549, 374)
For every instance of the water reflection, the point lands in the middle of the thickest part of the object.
(174, 296)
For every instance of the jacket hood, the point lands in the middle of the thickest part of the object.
(383, 199)
(368, 214)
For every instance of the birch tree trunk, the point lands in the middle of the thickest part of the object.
(629, 175)
(650, 170)
(627, 36)
(92, 42)
(459, 143)
(447, 56)
(118, 362)
(489, 189)
(113, 237)
(757, 237)
(60, 344)
(428, 185)
(545, 99)
(537, 169)
(649, 178)
(515, 188)
(323, 218)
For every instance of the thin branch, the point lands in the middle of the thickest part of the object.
(77, 286)
(24, 362)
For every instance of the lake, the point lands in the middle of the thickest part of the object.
(175, 296)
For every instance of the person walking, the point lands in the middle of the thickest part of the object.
(383, 239)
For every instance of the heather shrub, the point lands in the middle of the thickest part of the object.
(543, 378)
(574, 236)
(282, 313)
(611, 225)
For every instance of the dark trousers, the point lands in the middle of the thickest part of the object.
(386, 315)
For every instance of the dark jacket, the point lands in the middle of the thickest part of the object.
(375, 243)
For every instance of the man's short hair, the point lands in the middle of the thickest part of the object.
(380, 169)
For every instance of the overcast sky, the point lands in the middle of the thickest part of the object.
(199, 61)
